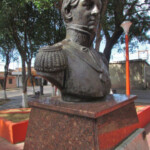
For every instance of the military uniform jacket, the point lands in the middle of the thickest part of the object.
(79, 72)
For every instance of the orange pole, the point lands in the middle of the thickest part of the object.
(127, 68)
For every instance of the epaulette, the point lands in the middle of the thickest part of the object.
(50, 59)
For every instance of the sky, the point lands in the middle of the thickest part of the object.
(143, 52)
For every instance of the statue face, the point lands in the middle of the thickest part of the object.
(86, 13)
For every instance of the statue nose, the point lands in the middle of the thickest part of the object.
(95, 10)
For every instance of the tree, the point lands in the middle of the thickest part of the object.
(113, 13)
(52, 29)
(6, 52)
(20, 27)
(30, 29)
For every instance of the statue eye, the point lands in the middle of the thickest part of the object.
(88, 4)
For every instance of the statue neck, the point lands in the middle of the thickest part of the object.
(80, 35)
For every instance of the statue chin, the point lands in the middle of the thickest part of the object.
(92, 28)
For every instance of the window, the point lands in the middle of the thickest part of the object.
(10, 81)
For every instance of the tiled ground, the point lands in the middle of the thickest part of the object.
(5, 145)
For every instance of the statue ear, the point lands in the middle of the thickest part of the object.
(68, 5)
(68, 13)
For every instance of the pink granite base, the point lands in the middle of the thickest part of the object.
(57, 125)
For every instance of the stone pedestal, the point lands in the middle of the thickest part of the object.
(57, 125)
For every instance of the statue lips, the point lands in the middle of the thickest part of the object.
(92, 22)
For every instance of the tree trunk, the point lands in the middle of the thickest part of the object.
(31, 78)
(5, 94)
(41, 86)
(107, 50)
(22, 52)
(110, 42)
(53, 90)
(98, 37)
(24, 85)
(4, 86)
(5, 75)
(102, 15)
(24, 100)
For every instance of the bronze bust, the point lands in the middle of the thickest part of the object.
(79, 71)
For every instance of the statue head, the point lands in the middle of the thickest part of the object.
(81, 12)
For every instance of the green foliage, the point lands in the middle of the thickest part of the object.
(44, 4)
(7, 47)
(52, 28)
(36, 23)
(30, 27)
(133, 10)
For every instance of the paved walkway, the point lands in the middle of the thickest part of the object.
(143, 96)
(5, 145)
(15, 96)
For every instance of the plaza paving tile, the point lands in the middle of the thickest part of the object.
(5, 145)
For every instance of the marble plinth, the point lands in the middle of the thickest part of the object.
(57, 125)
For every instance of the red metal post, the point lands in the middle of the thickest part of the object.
(127, 68)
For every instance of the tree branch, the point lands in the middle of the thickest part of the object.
(106, 34)
(130, 9)
(103, 12)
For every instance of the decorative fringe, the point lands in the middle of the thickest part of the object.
(50, 59)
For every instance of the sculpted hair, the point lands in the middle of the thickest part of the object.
(67, 5)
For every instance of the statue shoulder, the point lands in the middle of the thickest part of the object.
(51, 59)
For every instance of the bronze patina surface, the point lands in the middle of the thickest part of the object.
(73, 65)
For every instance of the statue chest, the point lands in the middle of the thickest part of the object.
(85, 78)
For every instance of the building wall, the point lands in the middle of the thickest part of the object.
(147, 74)
(137, 75)
(19, 81)
(11, 82)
